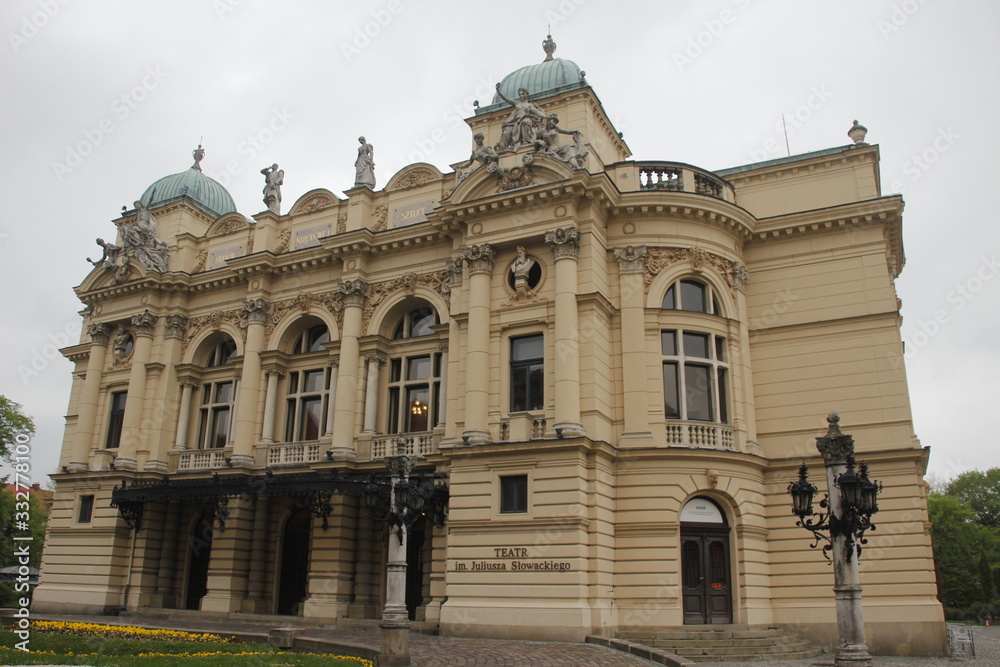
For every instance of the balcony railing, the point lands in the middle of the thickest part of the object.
(201, 459)
(522, 426)
(699, 435)
(293, 453)
(677, 177)
(416, 444)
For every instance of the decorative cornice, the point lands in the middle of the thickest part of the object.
(565, 242)
(144, 323)
(175, 326)
(353, 292)
(99, 333)
(479, 258)
(256, 310)
(631, 259)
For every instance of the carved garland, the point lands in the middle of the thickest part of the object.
(283, 239)
(381, 214)
(657, 259)
(414, 178)
(316, 203)
(229, 226)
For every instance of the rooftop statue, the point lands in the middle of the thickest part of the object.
(364, 166)
(481, 153)
(198, 154)
(574, 154)
(274, 178)
(140, 240)
(524, 123)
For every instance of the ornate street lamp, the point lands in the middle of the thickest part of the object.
(846, 516)
(402, 513)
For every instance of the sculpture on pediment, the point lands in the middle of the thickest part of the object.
(364, 166)
(274, 178)
(109, 258)
(574, 154)
(482, 154)
(139, 240)
(523, 124)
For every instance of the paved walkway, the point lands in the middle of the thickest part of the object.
(433, 651)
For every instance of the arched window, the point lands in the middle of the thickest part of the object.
(308, 385)
(691, 295)
(414, 385)
(215, 407)
(417, 322)
(311, 340)
(221, 353)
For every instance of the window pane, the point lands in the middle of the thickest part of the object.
(290, 421)
(671, 406)
(417, 409)
(400, 332)
(720, 348)
(311, 415)
(312, 380)
(698, 392)
(394, 369)
(220, 427)
(527, 348)
(693, 296)
(318, 336)
(293, 383)
(518, 388)
(202, 428)
(669, 302)
(514, 494)
(206, 394)
(536, 380)
(115, 420)
(723, 408)
(86, 509)
(223, 392)
(418, 368)
(393, 426)
(421, 322)
(696, 345)
(668, 342)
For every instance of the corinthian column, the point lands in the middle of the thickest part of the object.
(477, 387)
(566, 248)
(89, 397)
(375, 361)
(353, 294)
(631, 267)
(132, 432)
(249, 385)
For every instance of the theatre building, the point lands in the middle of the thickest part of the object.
(608, 371)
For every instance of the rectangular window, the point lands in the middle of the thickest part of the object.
(698, 392)
(115, 420)
(308, 392)
(527, 373)
(86, 509)
(514, 494)
(216, 415)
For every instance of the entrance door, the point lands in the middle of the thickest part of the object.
(294, 563)
(199, 554)
(705, 577)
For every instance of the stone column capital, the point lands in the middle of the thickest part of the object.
(144, 323)
(256, 310)
(99, 333)
(377, 356)
(740, 276)
(631, 259)
(565, 242)
(353, 292)
(479, 257)
(454, 269)
(189, 381)
(835, 446)
(176, 325)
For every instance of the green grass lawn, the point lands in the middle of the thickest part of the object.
(51, 648)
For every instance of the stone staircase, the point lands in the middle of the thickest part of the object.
(726, 643)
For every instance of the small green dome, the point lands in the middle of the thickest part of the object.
(547, 76)
(203, 190)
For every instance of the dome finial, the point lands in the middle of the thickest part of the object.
(549, 47)
(198, 154)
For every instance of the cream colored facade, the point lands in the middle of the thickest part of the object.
(795, 260)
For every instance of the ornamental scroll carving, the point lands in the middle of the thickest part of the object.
(214, 320)
(283, 240)
(304, 302)
(381, 215)
(439, 281)
(735, 274)
(414, 178)
(342, 223)
(229, 226)
(315, 203)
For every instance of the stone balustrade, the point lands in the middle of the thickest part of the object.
(673, 177)
(416, 444)
(699, 435)
(296, 453)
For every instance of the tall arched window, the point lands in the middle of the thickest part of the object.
(217, 395)
(308, 384)
(414, 374)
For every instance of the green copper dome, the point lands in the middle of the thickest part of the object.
(204, 191)
(550, 75)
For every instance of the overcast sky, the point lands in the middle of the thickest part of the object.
(103, 97)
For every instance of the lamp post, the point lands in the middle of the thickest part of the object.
(404, 507)
(849, 506)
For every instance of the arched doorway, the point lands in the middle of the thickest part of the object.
(294, 575)
(199, 554)
(705, 573)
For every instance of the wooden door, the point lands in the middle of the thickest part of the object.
(705, 577)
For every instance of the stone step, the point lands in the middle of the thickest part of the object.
(756, 657)
(694, 643)
(737, 650)
(762, 633)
